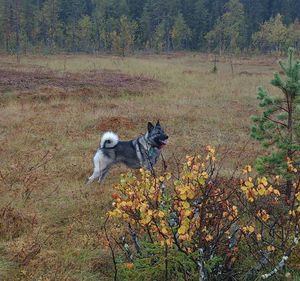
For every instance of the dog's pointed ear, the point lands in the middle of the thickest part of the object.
(157, 123)
(150, 127)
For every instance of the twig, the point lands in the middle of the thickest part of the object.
(285, 257)
(134, 239)
(166, 262)
(111, 250)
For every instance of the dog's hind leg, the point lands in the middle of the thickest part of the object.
(104, 173)
(97, 171)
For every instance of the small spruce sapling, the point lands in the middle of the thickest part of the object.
(278, 128)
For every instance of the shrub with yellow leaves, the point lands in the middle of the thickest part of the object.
(195, 224)
(193, 214)
(273, 220)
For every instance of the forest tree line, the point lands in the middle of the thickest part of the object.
(122, 26)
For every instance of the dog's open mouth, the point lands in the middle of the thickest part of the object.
(163, 142)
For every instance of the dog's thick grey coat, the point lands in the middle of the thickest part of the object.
(141, 152)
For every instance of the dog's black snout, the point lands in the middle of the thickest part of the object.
(167, 137)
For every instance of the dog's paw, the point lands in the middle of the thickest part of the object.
(89, 180)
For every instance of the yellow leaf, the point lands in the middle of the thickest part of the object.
(191, 194)
(129, 265)
(183, 196)
(208, 237)
(160, 214)
(184, 237)
(247, 169)
(249, 184)
(186, 222)
(292, 213)
(201, 180)
(164, 230)
(169, 242)
(187, 213)
(261, 191)
(185, 205)
(182, 230)
(251, 229)
(271, 248)
(145, 220)
(264, 181)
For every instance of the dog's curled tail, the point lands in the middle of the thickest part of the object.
(108, 140)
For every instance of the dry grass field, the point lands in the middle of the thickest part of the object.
(53, 110)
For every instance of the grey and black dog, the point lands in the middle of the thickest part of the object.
(141, 152)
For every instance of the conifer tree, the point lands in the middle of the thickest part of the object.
(278, 128)
(123, 41)
(181, 33)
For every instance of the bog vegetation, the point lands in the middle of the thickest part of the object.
(224, 208)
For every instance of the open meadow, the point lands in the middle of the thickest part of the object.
(53, 110)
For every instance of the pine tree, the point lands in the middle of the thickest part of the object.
(85, 33)
(49, 23)
(158, 38)
(127, 33)
(278, 128)
(200, 26)
(123, 40)
(181, 33)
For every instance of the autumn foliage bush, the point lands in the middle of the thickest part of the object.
(197, 225)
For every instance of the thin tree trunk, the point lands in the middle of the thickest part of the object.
(231, 65)
(289, 184)
(17, 23)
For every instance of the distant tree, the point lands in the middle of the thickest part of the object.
(273, 35)
(6, 24)
(28, 24)
(127, 34)
(294, 34)
(49, 23)
(200, 24)
(85, 33)
(256, 12)
(181, 34)
(229, 31)
(123, 40)
(157, 22)
(116, 43)
(136, 8)
(159, 35)
(196, 16)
